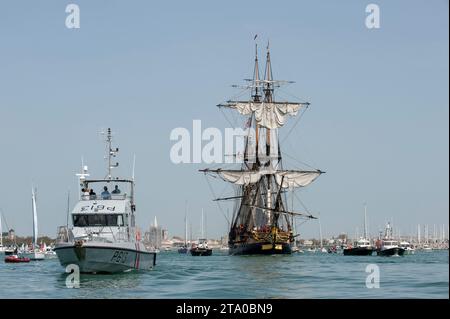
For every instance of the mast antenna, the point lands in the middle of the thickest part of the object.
(111, 153)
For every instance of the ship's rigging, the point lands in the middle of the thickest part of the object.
(261, 183)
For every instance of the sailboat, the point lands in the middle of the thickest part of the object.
(322, 249)
(104, 237)
(201, 248)
(2, 248)
(261, 222)
(34, 253)
(184, 249)
(363, 246)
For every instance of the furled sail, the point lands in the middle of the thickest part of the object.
(269, 115)
(244, 177)
(291, 179)
(240, 177)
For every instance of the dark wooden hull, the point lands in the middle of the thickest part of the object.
(264, 248)
(391, 252)
(358, 251)
(201, 252)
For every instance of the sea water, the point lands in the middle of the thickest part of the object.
(302, 275)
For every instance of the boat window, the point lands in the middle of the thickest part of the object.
(85, 220)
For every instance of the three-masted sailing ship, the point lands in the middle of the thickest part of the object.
(262, 222)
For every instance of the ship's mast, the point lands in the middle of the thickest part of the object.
(268, 95)
(111, 153)
(256, 96)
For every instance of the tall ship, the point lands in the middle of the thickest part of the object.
(103, 237)
(262, 222)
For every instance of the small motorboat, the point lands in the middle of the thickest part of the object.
(362, 248)
(16, 259)
(201, 249)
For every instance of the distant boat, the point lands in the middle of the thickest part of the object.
(2, 248)
(184, 249)
(201, 248)
(16, 259)
(363, 246)
(34, 253)
(388, 246)
(322, 249)
(49, 252)
(409, 250)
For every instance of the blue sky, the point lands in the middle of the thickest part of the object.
(378, 122)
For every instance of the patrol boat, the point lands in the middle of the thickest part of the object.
(104, 237)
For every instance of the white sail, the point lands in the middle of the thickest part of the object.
(293, 179)
(290, 178)
(240, 177)
(35, 224)
(269, 115)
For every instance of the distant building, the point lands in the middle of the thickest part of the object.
(165, 234)
(308, 242)
(154, 236)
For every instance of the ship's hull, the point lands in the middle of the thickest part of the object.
(261, 248)
(97, 258)
(34, 255)
(396, 251)
(358, 251)
(201, 252)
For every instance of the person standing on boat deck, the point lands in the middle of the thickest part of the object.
(116, 190)
(92, 194)
(105, 193)
(85, 193)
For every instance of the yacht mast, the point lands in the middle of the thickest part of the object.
(365, 221)
(1, 231)
(35, 223)
(185, 226)
(203, 231)
(320, 232)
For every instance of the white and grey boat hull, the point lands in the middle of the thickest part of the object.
(93, 258)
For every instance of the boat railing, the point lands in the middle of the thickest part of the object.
(109, 197)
